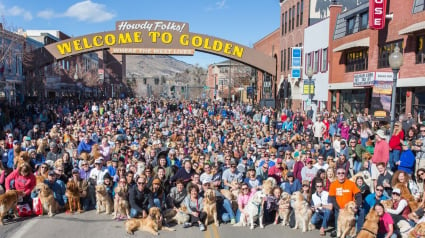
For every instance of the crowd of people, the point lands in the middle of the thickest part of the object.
(168, 153)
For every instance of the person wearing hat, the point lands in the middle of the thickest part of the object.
(26, 144)
(400, 208)
(327, 149)
(231, 175)
(98, 172)
(308, 172)
(54, 153)
(291, 185)
(85, 144)
(82, 186)
(407, 159)
(158, 194)
(381, 153)
(112, 168)
(252, 179)
(278, 170)
(34, 133)
(57, 186)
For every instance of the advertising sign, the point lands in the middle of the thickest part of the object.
(296, 62)
(364, 79)
(377, 11)
(381, 100)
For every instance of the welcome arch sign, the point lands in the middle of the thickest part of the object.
(160, 37)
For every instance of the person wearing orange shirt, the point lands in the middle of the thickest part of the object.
(342, 191)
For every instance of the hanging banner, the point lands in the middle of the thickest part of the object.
(381, 100)
(377, 12)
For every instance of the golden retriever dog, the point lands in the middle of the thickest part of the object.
(152, 223)
(284, 209)
(95, 151)
(179, 215)
(268, 185)
(417, 231)
(366, 156)
(370, 226)
(253, 210)
(121, 204)
(366, 177)
(8, 201)
(347, 220)
(405, 193)
(295, 138)
(23, 157)
(210, 207)
(103, 200)
(303, 212)
(73, 194)
(48, 202)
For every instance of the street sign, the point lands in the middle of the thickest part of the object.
(296, 73)
(296, 57)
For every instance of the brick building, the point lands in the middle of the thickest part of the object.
(359, 56)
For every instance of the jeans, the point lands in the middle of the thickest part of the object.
(364, 140)
(134, 213)
(238, 215)
(321, 218)
(225, 211)
(394, 157)
(360, 219)
(157, 202)
(357, 165)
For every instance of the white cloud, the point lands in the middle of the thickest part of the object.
(46, 14)
(89, 11)
(217, 6)
(16, 12)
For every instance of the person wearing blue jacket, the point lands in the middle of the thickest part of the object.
(407, 159)
(57, 186)
(292, 185)
(85, 145)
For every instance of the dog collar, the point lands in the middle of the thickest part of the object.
(371, 232)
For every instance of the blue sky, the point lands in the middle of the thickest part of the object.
(244, 22)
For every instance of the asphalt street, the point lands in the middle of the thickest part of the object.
(90, 224)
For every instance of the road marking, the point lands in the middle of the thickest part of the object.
(215, 231)
(208, 234)
(24, 229)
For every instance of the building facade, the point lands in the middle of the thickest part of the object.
(316, 56)
(359, 63)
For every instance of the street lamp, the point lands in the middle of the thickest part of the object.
(396, 61)
(309, 74)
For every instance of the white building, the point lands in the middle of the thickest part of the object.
(316, 42)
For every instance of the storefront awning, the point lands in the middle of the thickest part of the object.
(412, 28)
(358, 43)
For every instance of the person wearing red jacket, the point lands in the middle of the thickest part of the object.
(395, 145)
(22, 179)
(380, 153)
(277, 171)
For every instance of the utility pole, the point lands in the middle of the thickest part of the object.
(230, 79)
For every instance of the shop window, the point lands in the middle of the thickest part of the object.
(302, 11)
(420, 50)
(356, 61)
(385, 51)
(298, 13)
(364, 18)
(350, 25)
(145, 81)
(353, 101)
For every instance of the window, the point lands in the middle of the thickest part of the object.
(385, 51)
(364, 18)
(289, 18)
(289, 58)
(350, 25)
(283, 23)
(286, 21)
(316, 62)
(156, 81)
(293, 17)
(284, 60)
(324, 61)
(298, 13)
(281, 61)
(420, 51)
(145, 81)
(308, 61)
(301, 12)
(356, 61)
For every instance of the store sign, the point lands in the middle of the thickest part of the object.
(308, 87)
(377, 11)
(384, 76)
(364, 79)
(296, 73)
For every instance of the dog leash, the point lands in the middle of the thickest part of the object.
(371, 232)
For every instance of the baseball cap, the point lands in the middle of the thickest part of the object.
(381, 133)
(232, 162)
(51, 173)
(396, 190)
(75, 171)
(278, 160)
(15, 142)
(290, 174)
(205, 181)
(27, 138)
(98, 160)
(308, 160)
(36, 126)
